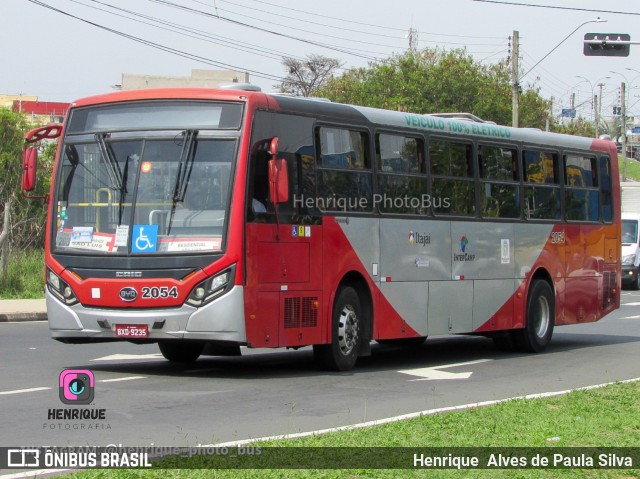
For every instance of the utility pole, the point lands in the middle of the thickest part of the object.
(623, 136)
(596, 113)
(573, 105)
(515, 52)
(413, 39)
(599, 112)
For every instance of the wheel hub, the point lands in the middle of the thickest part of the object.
(542, 317)
(348, 330)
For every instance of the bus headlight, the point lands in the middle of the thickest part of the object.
(60, 289)
(211, 288)
(629, 259)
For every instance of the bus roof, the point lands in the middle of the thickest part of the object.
(360, 114)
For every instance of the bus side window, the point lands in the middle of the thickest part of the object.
(344, 170)
(581, 194)
(500, 187)
(605, 189)
(542, 186)
(452, 179)
(401, 180)
(258, 202)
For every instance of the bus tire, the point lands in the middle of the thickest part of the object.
(180, 351)
(541, 314)
(346, 333)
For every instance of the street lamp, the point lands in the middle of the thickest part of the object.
(596, 101)
(623, 114)
(517, 78)
(597, 20)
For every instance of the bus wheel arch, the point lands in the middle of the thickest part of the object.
(540, 314)
(351, 325)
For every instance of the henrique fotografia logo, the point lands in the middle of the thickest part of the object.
(76, 386)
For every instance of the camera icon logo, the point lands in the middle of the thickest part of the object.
(76, 386)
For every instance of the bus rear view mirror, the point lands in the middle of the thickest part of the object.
(278, 181)
(273, 147)
(29, 167)
(278, 177)
(30, 155)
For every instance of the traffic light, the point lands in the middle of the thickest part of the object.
(607, 44)
(617, 110)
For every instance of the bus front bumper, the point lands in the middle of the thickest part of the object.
(220, 320)
(629, 273)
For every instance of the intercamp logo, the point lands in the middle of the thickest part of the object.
(463, 243)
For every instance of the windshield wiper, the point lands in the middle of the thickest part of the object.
(113, 170)
(123, 190)
(184, 171)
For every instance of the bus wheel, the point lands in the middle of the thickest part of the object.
(541, 313)
(180, 351)
(346, 333)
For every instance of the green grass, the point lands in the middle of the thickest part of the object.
(633, 169)
(25, 276)
(605, 417)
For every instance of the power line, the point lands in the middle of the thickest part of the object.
(341, 28)
(160, 46)
(376, 34)
(335, 37)
(181, 29)
(253, 27)
(557, 7)
(352, 21)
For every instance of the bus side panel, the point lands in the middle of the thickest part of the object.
(584, 264)
(415, 257)
(533, 250)
(284, 300)
(351, 245)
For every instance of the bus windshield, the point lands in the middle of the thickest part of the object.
(144, 192)
(629, 231)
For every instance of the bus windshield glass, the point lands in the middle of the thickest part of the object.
(629, 231)
(145, 191)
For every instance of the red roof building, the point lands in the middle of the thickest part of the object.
(42, 111)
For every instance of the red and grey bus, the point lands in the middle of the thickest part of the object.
(207, 220)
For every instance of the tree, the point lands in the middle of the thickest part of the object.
(437, 81)
(579, 127)
(305, 77)
(28, 217)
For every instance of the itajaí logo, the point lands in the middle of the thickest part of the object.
(423, 239)
(464, 255)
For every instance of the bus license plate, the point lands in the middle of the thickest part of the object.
(132, 331)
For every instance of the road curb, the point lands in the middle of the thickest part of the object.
(22, 317)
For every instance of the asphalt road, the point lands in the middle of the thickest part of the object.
(147, 401)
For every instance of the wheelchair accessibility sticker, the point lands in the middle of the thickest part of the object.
(144, 239)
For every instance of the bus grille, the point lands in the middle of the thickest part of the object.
(300, 312)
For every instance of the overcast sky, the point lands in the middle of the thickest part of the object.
(84, 46)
